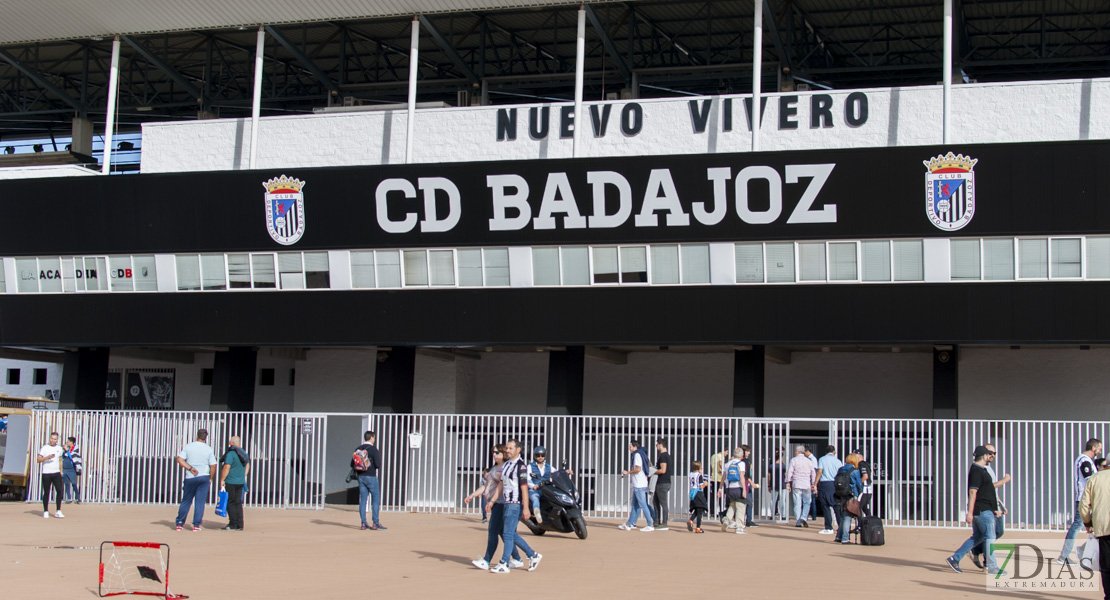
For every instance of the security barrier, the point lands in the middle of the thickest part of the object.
(432, 461)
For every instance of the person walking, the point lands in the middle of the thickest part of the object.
(999, 529)
(982, 510)
(1082, 469)
(513, 487)
(72, 465)
(50, 457)
(750, 487)
(199, 462)
(698, 504)
(233, 480)
(717, 462)
(826, 489)
(1094, 511)
(776, 481)
(490, 497)
(368, 480)
(662, 485)
(801, 483)
(735, 492)
(867, 476)
(637, 473)
(851, 471)
(812, 505)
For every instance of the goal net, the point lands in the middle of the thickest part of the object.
(139, 568)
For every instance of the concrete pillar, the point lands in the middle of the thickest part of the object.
(946, 379)
(565, 377)
(82, 136)
(233, 378)
(747, 382)
(393, 380)
(85, 378)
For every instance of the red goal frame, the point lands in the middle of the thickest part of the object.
(165, 574)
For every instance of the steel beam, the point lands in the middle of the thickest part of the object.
(305, 61)
(449, 50)
(607, 42)
(39, 80)
(165, 68)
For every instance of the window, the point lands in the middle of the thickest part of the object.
(39, 376)
(470, 268)
(13, 376)
(842, 261)
(238, 271)
(545, 266)
(262, 266)
(811, 261)
(3, 284)
(188, 272)
(780, 263)
(389, 268)
(605, 265)
(876, 260)
(965, 260)
(316, 273)
(50, 274)
(998, 260)
(441, 267)
(28, 269)
(213, 272)
(664, 264)
(120, 274)
(1098, 258)
(634, 264)
(265, 377)
(290, 271)
(1066, 258)
(416, 268)
(362, 270)
(576, 265)
(144, 273)
(1033, 259)
(749, 263)
(497, 266)
(909, 262)
(695, 263)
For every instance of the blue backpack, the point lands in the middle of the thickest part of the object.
(733, 473)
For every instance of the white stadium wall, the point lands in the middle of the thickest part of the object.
(660, 383)
(910, 116)
(511, 383)
(26, 387)
(334, 380)
(1032, 383)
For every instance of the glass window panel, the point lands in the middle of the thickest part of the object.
(876, 260)
(811, 261)
(634, 264)
(212, 272)
(290, 271)
(389, 268)
(98, 279)
(146, 278)
(50, 274)
(238, 271)
(470, 267)
(749, 263)
(442, 265)
(780, 263)
(664, 264)
(965, 260)
(576, 265)
(545, 266)
(416, 268)
(1033, 256)
(69, 283)
(497, 266)
(1066, 258)
(362, 270)
(842, 262)
(998, 260)
(263, 267)
(695, 263)
(909, 262)
(1098, 258)
(122, 277)
(188, 272)
(28, 269)
(605, 265)
(317, 274)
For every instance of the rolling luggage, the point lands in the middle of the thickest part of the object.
(871, 532)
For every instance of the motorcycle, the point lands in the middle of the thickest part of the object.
(560, 507)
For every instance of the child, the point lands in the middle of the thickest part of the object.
(698, 503)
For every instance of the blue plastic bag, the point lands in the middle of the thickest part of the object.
(221, 504)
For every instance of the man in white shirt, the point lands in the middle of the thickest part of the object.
(639, 477)
(1083, 468)
(735, 479)
(50, 457)
(199, 462)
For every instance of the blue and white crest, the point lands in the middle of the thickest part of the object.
(284, 209)
(950, 191)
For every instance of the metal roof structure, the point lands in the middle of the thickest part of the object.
(195, 58)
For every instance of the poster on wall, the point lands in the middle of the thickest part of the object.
(150, 389)
(112, 390)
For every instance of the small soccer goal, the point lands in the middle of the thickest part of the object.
(135, 568)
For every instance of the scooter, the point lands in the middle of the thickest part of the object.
(559, 506)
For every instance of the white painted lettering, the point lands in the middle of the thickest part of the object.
(599, 179)
(381, 198)
(503, 202)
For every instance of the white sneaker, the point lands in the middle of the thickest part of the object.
(59, 515)
(46, 514)
(480, 563)
(516, 564)
(624, 527)
(741, 530)
(535, 562)
(732, 525)
(648, 528)
(499, 568)
(826, 532)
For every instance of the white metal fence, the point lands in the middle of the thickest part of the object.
(431, 462)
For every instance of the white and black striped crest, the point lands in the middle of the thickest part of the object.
(950, 192)
(285, 212)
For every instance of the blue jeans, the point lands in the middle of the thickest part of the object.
(494, 530)
(368, 485)
(983, 534)
(194, 491)
(802, 499)
(509, 536)
(534, 498)
(70, 477)
(999, 529)
(640, 505)
(1069, 539)
(844, 534)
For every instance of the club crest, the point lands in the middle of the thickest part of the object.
(284, 209)
(950, 190)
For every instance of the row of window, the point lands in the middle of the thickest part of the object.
(38, 376)
(987, 259)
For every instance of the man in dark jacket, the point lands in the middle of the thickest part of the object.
(368, 481)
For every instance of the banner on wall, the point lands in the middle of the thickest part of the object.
(149, 389)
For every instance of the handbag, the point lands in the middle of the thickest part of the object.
(221, 504)
(1090, 555)
(852, 507)
(351, 476)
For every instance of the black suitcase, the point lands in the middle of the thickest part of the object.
(871, 532)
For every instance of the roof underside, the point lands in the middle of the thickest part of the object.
(321, 53)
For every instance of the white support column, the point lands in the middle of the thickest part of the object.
(256, 110)
(414, 55)
(947, 84)
(579, 78)
(110, 120)
(757, 73)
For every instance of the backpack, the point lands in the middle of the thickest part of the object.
(361, 460)
(843, 483)
(733, 473)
